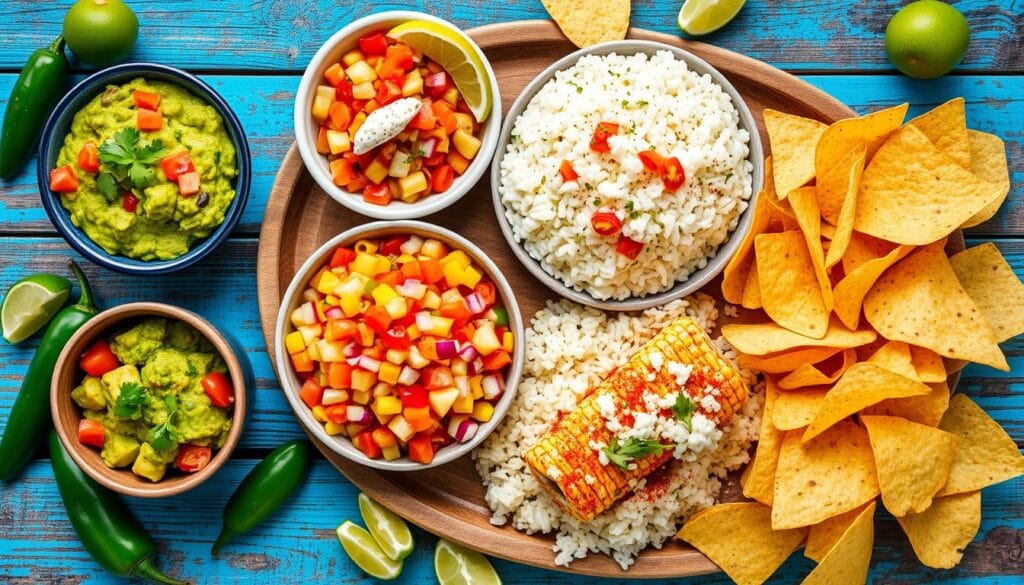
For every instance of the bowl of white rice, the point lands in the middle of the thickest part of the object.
(578, 205)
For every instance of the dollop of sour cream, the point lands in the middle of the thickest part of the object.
(385, 123)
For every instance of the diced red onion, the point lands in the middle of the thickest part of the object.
(435, 79)
(462, 383)
(412, 289)
(493, 386)
(412, 245)
(427, 148)
(424, 322)
(447, 349)
(334, 396)
(468, 352)
(462, 429)
(357, 414)
(368, 363)
(475, 303)
(334, 313)
(408, 376)
(311, 294)
(475, 367)
(352, 361)
(352, 350)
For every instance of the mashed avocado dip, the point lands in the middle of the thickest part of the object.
(154, 404)
(146, 214)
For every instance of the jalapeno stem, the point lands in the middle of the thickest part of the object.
(57, 46)
(85, 298)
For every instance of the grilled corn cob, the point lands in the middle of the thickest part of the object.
(565, 461)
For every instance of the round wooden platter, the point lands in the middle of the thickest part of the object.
(449, 500)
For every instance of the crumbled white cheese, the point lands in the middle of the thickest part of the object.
(681, 372)
(709, 404)
(657, 360)
(554, 473)
(590, 479)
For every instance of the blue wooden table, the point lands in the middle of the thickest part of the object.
(254, 52)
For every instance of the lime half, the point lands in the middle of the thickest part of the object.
(700, 17)
(365, 553)
(387, 528)
(458, 57)
(457, 565)
(31, 303)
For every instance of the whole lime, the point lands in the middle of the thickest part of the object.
(927, 39)
(100, 32)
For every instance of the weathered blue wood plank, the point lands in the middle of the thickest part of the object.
(264, 104)
(298, 544)
(281, 35)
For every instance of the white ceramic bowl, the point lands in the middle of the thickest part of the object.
(697, 278)
(293, 297)
(306, 129)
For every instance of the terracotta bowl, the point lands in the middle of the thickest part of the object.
(67, 414)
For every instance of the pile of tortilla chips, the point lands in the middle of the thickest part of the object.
(588, 22)
(858, 314)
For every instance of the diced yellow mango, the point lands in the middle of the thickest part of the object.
(482, 410)
(334, 428)
(293, 343)
(463, 404)
(321, 105)
(357, 122)
(465, 122)
(389, 373)
(476, 387)
(320, 413)
(338, 141)
(411, 185)
(327, 282)
(383, 293)
(360, 72)
(466, 144)
(457, 256)
(387, 405)
(352, 57)
(376, 171)
(370, 264)
(361, 397)
(363, 91)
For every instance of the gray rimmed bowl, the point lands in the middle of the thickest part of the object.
(698, 278)
(293, 297)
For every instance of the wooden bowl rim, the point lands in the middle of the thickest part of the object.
(88, 459)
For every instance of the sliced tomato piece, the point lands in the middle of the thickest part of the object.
(149, 120)
(604, 131)
(311, 392)
(629, 248)
(146, 100)
(377, 194)
(219, 389)
(63, 180)
(421, 448)
(130, 202)
(91, 432)
(342, 257)
(177, 164)
(374, 43)
(442, 179)
(606, 223)
(188, 184)
(89, 158)
(98, 359)
(425, 119)
(192, 458)
(674, 176)
(652, 161)
(568, 173)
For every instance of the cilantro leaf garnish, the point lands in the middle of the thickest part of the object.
(633, 448)
(129, 161)
(192, 370)
(164, 436)
(130, 401)
(683, 410)
(107, 186)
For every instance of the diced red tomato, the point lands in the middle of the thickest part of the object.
(387, 92)
(188, 184)
(130, 202)
(377, 194)
(445, 115)
(342, 172)
(442, 179)
(414, 396)
(90, 432)
(435, 159)
(340, 115)
(341, 330)
(497, 360)
(342, 257)
(373, 43)
(192, 458)
(605, 223)
(98, 359)
(365, 443)
(339, 375)
(392, 246)
(421, 448)
(63, 180)
(358, 183)
(146, 100)
(177, 164)
(337, 413)
(674, 176)
(604, 131)
(397, 61)
(377, 319)
(652, 161)
(437, 378)
(396, 337)
(629, 248)
(393, 278)
(343, 91)
(149, 120)
(432, 271)
(425, 119)
(456, 310)
(486, 291)
(219, 389)
(568, 173)
(89, 158)
(312, 393)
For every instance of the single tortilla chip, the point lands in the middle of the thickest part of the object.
(895, 356)
(796, 409)
(765, 338)
(988, 161)
(993, 286)
(851, 290)
(845, 215)
(926, 410)
(912, 461)
(819, 374)
(786, 361)
(758, 479)
(588, 22)
(833, 185)
(850, 558)
(946, 127)
(861, 386)
(985, 455)
(912, 193)
(863, 248)
(825, 534)
(871, 130)
(752, 290)
(940, 534)
(928, 364)
(735, 275)
(739, 538)
(823, 478)
(793, 140)
(920, 301)
(790, 291)
(804, 202)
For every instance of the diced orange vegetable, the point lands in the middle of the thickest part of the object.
(149, 120)
(421, 448)
(89, 157)
(188, 184)
(342, 172)
(424, 119)
(303, 362)
(432, 271)
(90, 432)
(63, 180)
(146, 100)
(365, 443)
(334, 74)
(497, 360)
(339, 376)
(340, 116)
(311, 393)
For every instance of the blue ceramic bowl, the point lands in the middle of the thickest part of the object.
(59, 124)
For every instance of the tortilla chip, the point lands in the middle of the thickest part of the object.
(790, 291)
(911, 193)
(819, 374)
(752, 290)
(786, 361)
(796, 409)
(793, 140)
(804, 202)
(861, 386)
(940, 534)
(758, 479)
(848, 561)
(734, 277)
(993, 286)
(895, 357)
(988, 161)
(986, 455)
(863, 248)
(822, 478)
(845, 135)
(825, 534)
(946, 127)
(912, 461)
(588, 22)
(850, 180)
(926, 410)
(851, 290)
(920, 301)
(739, 538)
(928, 364)
(765, 338)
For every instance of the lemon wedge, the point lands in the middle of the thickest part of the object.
(700, 17)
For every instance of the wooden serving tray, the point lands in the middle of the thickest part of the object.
(449, 500)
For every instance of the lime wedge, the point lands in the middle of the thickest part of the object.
(365, 553)
(458, 57)
(457, 565)
(387, 528)
(31, 303)
(700, 17)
